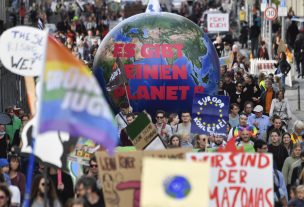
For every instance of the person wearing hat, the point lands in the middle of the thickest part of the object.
(260, 121)
(4, 166)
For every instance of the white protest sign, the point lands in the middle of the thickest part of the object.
(218, 22)
(22, 50)
(236, 178)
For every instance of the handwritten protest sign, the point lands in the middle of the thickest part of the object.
(121, 174)
(175, 183)
(218, 22)
(143, 134)
(236, 178)
(23, 49)
(210, 114)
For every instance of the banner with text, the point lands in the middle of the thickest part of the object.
(236, 178)
(209, 114)
(218, 22)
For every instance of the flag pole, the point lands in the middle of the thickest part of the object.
(127, 94)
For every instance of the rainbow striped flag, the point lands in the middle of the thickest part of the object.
(72, 101)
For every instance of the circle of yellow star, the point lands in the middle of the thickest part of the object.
(216, 104)
(205, 104)
(201, 108)
(220, 110)
(200, 119)
(204, 123)
(208, 125)
(198, 113)
(213, 124)
(210, 102)
(221, 115)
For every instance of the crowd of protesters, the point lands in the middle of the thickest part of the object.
(259, 115)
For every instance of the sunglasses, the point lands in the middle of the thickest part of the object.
(2, 197)
(159, 117)
(93, 166)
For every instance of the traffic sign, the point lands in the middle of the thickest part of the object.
(271, 13)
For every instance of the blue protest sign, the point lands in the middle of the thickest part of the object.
(210, 114)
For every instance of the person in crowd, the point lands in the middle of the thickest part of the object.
(244, 139)
(90, 192)
(15, 174)
(254, 34)
(261, 81)
(186, 141)
(283, 68)
(238, 77)
(293, 192)
(279, 46)
(287, 142)
(296, 135)
(40, 187)
(173, 122)
(184, 9)
(163, 129)
(4, 141)
(234, 118)
(229, 85)
(22, 13)
(298, 53)
(280, 107)
(174, 141)
(124, 137)
(299, 201)
(5, 196)
(260, 121)
(221, 90)
(63, 187)
(267, 97)
(219, 141)
(263, 52)
(278, 151)
(248, 108)
(287, 170)
(280, 190)
(184, 128)
(244, 35)
(291, 34)
(201, 142)
(251, 90)
(235, 131)
(13, 126)
(234, 56)
(219, 45)
(120, 118)
(4, 169)
(238, 97)
(276, 123)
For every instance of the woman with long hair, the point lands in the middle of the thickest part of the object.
(286, 141)
(173, 122)
(287, 170)
(174, 141)
(40, 187)
(15, 174)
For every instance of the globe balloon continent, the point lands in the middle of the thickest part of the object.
(156, 61)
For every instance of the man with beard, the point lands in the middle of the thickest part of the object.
(90, 192)
(219, 141)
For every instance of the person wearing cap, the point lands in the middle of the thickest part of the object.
(4, 168)
(260, 121)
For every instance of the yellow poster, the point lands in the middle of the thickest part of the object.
(174, 183)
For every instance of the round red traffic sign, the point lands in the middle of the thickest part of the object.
(271, 13)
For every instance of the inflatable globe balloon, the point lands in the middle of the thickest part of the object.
(156, 61)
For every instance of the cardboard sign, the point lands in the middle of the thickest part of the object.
(142, 132)
(218, 22)
(236, 178)
(210, 114)
(175, 183)
(23, 49)
(121, 174)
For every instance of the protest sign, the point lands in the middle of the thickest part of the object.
(236, 178)
(209, 114)
(121, 174)
(22, 50)
(175, 183)
(142, 132)
(218, 22)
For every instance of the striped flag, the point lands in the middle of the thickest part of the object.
(40, 24)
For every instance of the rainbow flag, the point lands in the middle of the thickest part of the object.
(72, 101)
